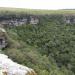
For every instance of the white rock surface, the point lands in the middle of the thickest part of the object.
(3, 30)
(13, 68)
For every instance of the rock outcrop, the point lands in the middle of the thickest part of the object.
(69, 19)
(3, 38)
(20, 20)
(5, 22)
(8, 67)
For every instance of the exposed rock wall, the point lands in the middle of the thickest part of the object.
(3, 38)
(69, 19)
(34, 19)
(19, 21)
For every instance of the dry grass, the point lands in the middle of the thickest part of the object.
(17, 11)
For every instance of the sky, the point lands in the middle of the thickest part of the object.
(39, 4)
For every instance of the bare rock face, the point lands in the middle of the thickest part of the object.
(19, 21)
(3, 38)
(69, 19)
(8, 67)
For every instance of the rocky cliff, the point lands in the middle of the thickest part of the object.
(34, 19)
(18, 21)
(7, 66)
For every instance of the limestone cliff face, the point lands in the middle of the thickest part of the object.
(69, 19)
(16, 21)
(9, 20)
(3, 38)
(8, 67)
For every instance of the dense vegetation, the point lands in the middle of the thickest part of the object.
(48, 48)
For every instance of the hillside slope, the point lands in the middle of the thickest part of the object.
(48, 47)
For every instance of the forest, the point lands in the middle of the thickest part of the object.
(48, 47)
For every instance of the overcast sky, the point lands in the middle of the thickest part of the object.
(39, 4)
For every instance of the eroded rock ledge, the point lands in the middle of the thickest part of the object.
(8, 67)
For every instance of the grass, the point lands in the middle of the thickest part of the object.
(5, 10)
